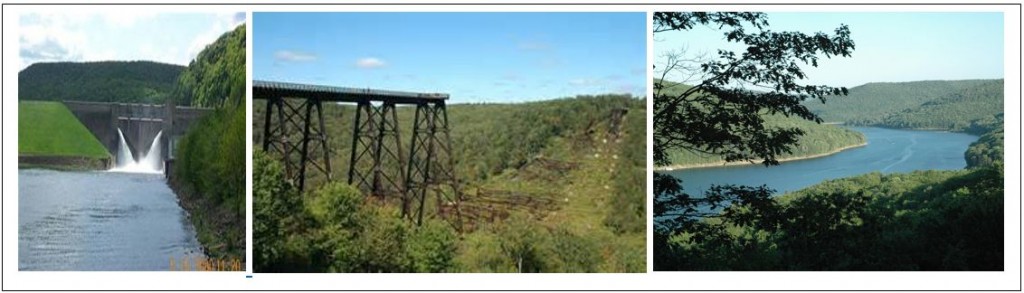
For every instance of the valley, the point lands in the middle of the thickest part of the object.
(549, 176)
(932, 151)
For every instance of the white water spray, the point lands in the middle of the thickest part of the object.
(126, 162)
(124, 154)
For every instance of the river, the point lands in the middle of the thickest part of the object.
(100, 221)
(887, 151)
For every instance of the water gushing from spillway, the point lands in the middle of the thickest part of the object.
(151, 163)
(124, 154)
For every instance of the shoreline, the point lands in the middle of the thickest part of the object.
(215, 228)
(64, 163)
(742, 163)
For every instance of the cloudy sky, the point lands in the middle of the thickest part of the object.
(890, 46)
(475, 57)
(173, 38)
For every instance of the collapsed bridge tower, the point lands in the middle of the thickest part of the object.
(295, 132)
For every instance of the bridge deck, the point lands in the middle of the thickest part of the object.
(272, 89)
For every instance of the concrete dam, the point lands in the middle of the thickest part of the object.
(139, 128)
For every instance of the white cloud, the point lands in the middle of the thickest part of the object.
(223, 23)
(238, 18)
(370, 63)
(92, 36)
(293, 56)
(126, 19)
(50, 38)
(586, 82)
(637, 90)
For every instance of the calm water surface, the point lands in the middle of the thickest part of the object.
(100, 221)
(888, 151)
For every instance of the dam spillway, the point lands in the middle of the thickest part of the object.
(137, 127)
(150, 162)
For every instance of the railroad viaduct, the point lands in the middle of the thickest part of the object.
(294, 131)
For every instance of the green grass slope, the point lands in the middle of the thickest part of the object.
(49, 129)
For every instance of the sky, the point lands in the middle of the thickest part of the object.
(174, 38)
(474, 57)
(890, 47)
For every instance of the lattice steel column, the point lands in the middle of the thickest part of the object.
(317, 134)
(363, 132)
(376, 161)
(291, 136)
(431, 166)
(388, 175)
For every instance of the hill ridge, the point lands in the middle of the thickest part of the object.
(138, 81)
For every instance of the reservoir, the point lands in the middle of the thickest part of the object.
(887, 151)
(100, 221)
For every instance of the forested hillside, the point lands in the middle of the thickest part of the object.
(210, 78)
(584, 176)
(209, 174)
(924, 220)
(973, 108)
(987, 151)
(963, 106)
(817, 139)
(107, 81)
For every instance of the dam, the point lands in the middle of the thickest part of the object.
(139, 131)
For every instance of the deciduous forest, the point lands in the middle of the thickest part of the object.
(107, 81)
(209, 173)
(959, 105)
(551, 186)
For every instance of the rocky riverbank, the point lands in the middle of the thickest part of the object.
(220, 231)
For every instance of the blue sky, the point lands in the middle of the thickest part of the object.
(475, 57)
(890, 47)
(173, 38)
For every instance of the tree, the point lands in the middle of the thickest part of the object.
(721, 114)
